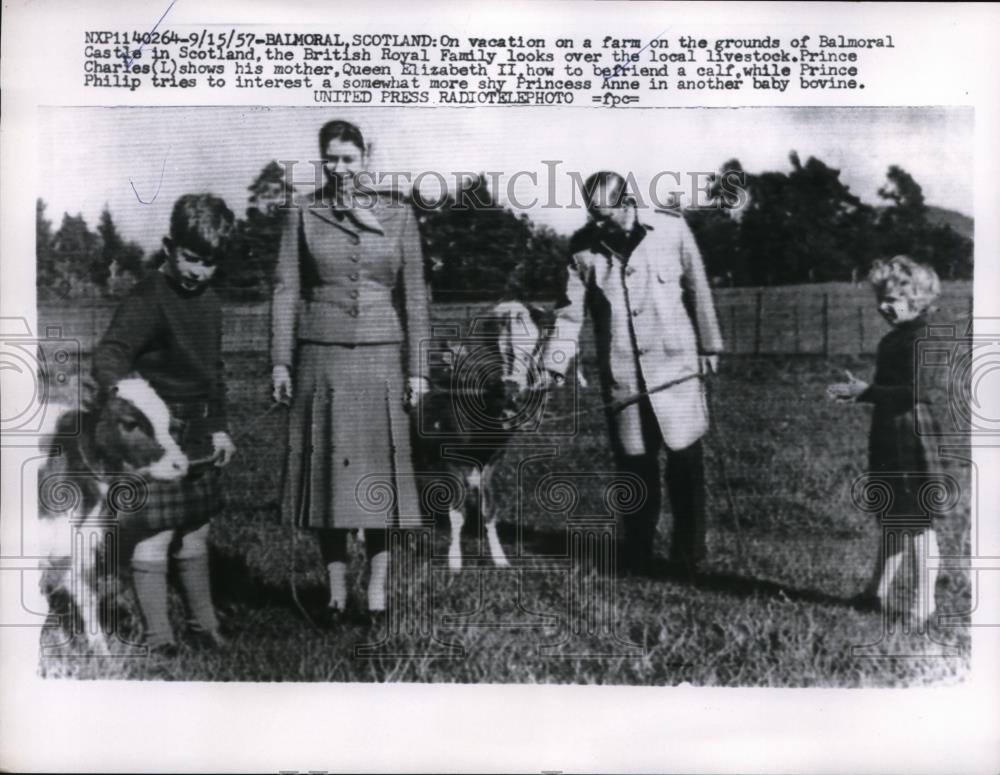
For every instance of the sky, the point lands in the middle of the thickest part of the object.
(137, 161)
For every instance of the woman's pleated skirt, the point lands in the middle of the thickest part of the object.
(349, 462)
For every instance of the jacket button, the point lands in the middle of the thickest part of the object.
(354, 294)
(630, 271)
(353, 312)
(354, 276)
(635, 313)
(355, 259)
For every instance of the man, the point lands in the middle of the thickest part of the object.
(654, 322)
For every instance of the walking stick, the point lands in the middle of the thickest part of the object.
(723, 452)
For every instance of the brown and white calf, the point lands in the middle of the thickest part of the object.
(479, 402)
(121, 437)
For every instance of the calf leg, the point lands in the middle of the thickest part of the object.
(86, 588)
(457, 520)
(490, 518)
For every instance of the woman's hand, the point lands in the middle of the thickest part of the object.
(847, 391)
(281, 379)
(416, 388)
(709, 364)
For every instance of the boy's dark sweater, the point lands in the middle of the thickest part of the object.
(173, 338)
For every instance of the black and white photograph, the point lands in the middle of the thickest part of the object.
(583, 386)
(513, 407)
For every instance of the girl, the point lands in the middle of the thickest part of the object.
(899, 453)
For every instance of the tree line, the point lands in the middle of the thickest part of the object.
(804, 225)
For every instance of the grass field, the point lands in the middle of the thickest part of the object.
(787, 550)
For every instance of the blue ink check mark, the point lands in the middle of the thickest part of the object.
(127, 59)
(156, 193)
(620, 68)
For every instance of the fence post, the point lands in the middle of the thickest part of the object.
(757, 323)
(826, 324)
(861, 329)
(732, 327)
(795, 328)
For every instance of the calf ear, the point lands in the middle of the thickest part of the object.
(544, 318)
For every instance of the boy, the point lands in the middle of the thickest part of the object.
(169, 330)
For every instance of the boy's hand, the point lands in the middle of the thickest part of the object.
(282, 382)
(224, 448)
(847, 391)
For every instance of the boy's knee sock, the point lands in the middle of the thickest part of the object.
(376, 582)
(193, 573)
(150, 580)
(925, 547)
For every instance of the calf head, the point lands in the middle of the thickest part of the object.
(132, 432)
(521, 333)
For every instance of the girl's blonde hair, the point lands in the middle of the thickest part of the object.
(915, 282)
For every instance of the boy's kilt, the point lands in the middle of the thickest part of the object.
(190, 501)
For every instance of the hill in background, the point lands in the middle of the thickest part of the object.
(959, 222)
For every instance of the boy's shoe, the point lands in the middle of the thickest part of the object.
(334, 619)
(866, 602)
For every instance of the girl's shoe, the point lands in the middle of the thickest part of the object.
(164, 650)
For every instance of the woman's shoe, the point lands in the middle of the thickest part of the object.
(333, 619)
(209, 640)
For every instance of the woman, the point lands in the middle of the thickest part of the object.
(350, 309)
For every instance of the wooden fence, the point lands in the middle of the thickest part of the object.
(827, 319)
